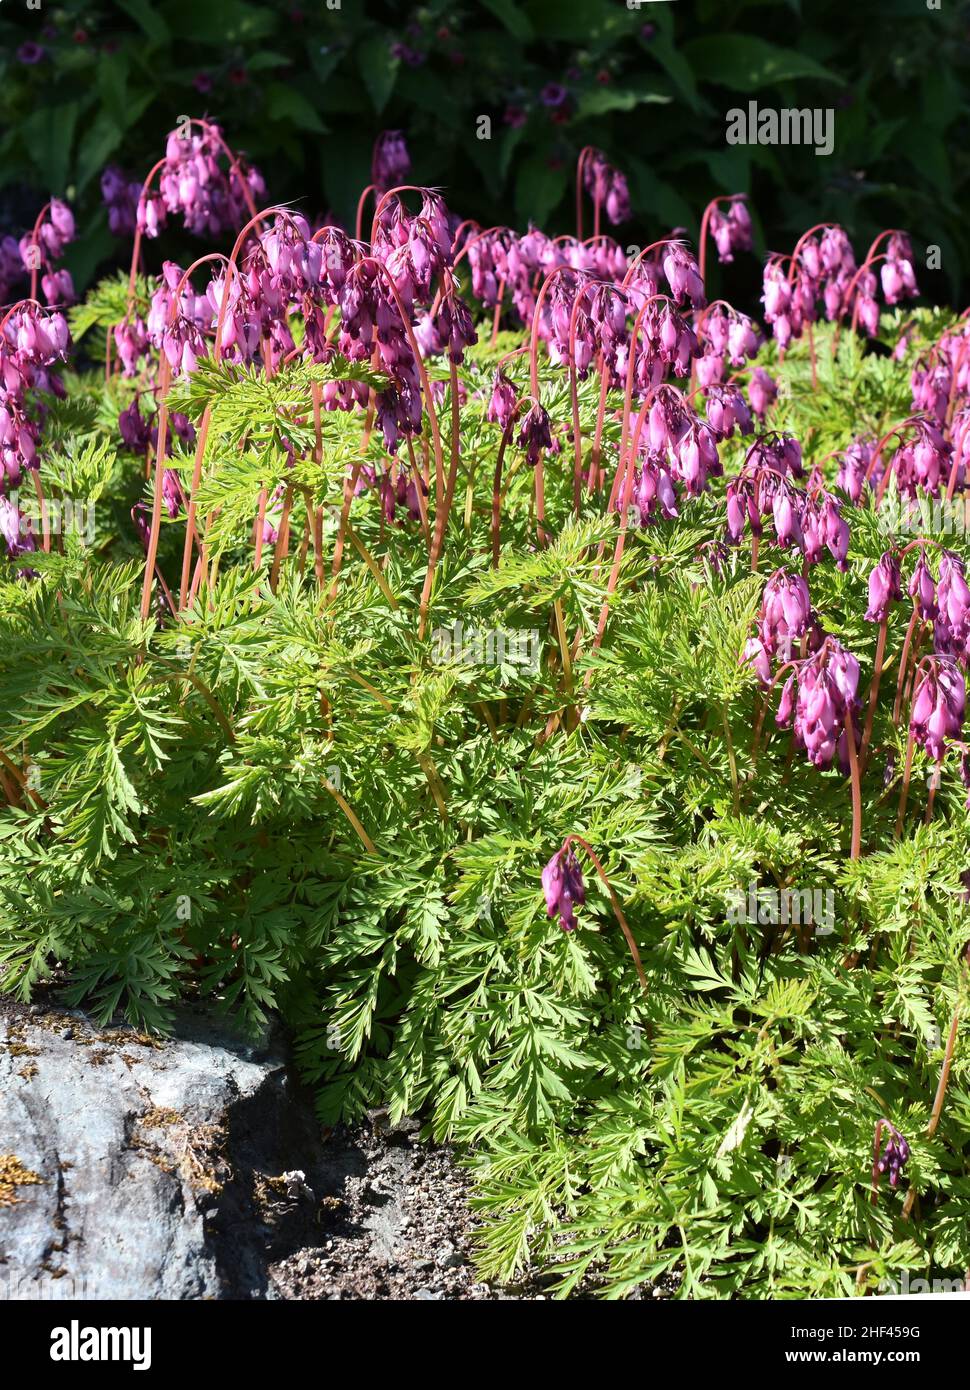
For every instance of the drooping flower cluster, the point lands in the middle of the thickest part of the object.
(819, 697)
(731, 230)
(939, 705)
(941, 375)
(607, 186)
(38, 252)
(32, 342)
(562, 884)
(922, 463)
(893, 1155)
(120, 195)
(786, 611)
(823, 269)
(193, 185)
(951, 627)
(729, 339)
(809, 520)
(391, 163)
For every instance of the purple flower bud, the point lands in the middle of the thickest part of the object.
(535, 433)
(562, 885)
(885, 588)
(922, 590)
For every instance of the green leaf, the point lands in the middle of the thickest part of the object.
(378, 69)
(48, 134)
(599, 100)
(744, 63)
(512, 17)
(537, 189)
(219, 22)
(148, 17)
(285, 103)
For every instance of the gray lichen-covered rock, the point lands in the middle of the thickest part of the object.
(132, 1167)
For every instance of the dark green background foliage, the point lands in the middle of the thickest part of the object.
(304, 90)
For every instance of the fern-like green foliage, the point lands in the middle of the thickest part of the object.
(286, 799)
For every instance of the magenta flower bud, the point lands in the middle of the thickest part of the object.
(786, 706)
(535, 433)
(922, 590)
(683, 276)
(756, 656)
(788, 529)
(736, 513)
(762, 392)
(740, 220)
(884, 588)
(563, 888)
(776, 295)
(502, 401)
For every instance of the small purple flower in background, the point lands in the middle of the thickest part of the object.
(120, 195)
(134, 429)
(562, 884)
(892, 1156)
(58, 287)
(853, 464)
(391, 163)
(30, 53)
(202, 83)
(554, 94)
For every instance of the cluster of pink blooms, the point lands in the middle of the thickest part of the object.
(731, 230)
(729, 339)
(808, 519)
(120, 195)
(786, 612)
(942, 374)
(193, 184)
(391, 162)
(562, 885)
(823, 269)
(20, 259)
(818, 699)
(32, 342)
(607, 186)
(939, 704)
(939, 697)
